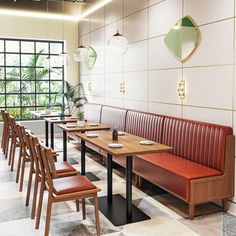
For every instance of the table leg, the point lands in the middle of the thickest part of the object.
(109, 177)
(129, 168)
(46, 133)
(52, 135)
(83, 150)
(64, 145)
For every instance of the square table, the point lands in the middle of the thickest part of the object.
(117, 209)
(43, 114)
(87, 127)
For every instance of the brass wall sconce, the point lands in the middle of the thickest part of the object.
(90, 86)
(122, 87)
(181, 89)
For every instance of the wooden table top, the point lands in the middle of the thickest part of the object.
(58, 120)
(131, 145)
(88, 127)
(43, 114)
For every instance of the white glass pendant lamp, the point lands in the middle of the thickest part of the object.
(118, 44)
(81, 54)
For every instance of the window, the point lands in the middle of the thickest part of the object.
(26, 82)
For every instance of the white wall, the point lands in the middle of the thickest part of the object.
(35, 28)
(151, 73)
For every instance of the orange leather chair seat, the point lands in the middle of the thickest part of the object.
(171, 172)
(72, 184)
(63, 167)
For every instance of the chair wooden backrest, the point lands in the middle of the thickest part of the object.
(14, 133)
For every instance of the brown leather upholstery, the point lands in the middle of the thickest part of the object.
(197, 141)
(63, 167)
(113, 117)
(71, 185)
(92, 112)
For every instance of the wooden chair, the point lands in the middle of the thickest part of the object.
(65, 189)
(63, 169)
(6, 134)
(14, 142)
(3, 131)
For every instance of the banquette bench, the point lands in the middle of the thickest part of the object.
(199, 169)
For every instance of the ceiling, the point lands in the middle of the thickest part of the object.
(67, 7)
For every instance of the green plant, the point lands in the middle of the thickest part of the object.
(80, 116)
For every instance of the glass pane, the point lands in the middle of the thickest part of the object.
(55, 48)
(42, 99)
(42, 87)
(42, 74)
(12, 59)
(12, 46)
(56, 86)
(12, 87)
(2, 73)
(28, 99)
(42, 62)
(15, 112)
(56, 61)
(1, 45)
(56, 74)
(26, 113)
(13, 100)
(42, 47)
(56, 99)
(27, 60)
(1, 59)
(28, 73)
(13, 73)
(2, 100)
(27, 47)
(2, 86)
(27, 86)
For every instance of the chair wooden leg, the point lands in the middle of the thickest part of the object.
(225, 205)
(29, 185)
(6, 147)
(22, 174)
(36, 181)
(96, 208)
(191, 211)
(18, 166)
(77, 205)
(11, 150)
(48, 217)
(13, 156)
(83, 209)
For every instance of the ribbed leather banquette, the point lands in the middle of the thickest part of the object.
(113, 117)
(197, 141)
(92, 112)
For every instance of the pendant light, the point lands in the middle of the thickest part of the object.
(48, 58)
(65, 57)
(81, 54)
(118, 44)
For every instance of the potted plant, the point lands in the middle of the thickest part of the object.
(80, 119)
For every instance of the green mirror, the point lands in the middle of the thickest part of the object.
(92, 57)
(183, 38)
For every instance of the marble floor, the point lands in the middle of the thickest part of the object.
(168, 214)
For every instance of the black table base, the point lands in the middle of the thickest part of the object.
(115, 210)
(91, 176)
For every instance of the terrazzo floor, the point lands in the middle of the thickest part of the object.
(168, 214)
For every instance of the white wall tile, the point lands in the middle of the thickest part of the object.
(163, 85)
(113, 11)
(136, 105)
(97, 19)
(85, 79)
(208, 115)
(113, 63)
(135, 26)
(96, 99)
(97, 40)
(136, 57)
(97, 83)
(209, 86)
(84, 26)
(136, 85)
(99, 66)
(151, 2)
(112, 85)
(163, 16)
(216, 46)
(132, 6)
(116, 102)
(159, 55)
(165, 109)
(203, 11)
